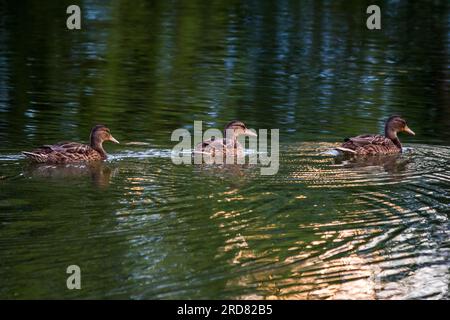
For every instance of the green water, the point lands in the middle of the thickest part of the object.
(141, 227)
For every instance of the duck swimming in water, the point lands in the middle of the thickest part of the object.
(370, 144)
(71, 152)
(228, 145)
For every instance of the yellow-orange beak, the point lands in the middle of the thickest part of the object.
(408, 130)
(112, 139)
(250, 133)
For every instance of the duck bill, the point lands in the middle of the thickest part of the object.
(250, 133)
(112, 139)
(409, 131)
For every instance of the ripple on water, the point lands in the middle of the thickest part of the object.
(312, 165)
(382, 233)
(321, 228)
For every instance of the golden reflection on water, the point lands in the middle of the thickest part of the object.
(349, 277)
(358, 248)
(344, 261)
(136, 188)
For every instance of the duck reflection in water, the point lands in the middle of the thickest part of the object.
(99, 172)
(233, 172)
(393, 164)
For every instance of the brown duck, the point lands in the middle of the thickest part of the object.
(370, 144)
(229, 144)
(71, 152)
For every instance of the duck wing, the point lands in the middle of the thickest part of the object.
(70, 147)
(365, 139)
(210, 146)
(63, 152)
(369, 144)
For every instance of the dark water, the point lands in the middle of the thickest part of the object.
(141, 227)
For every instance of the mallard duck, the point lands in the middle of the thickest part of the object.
(228, 145)
(370, 144)
(71, 152)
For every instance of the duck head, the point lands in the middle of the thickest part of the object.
(394, 125)
(237, 128)
(99, 134)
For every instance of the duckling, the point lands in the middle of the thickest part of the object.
(71, 152)
(370, 144)
(228, 145)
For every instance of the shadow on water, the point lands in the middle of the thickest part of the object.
(99, 173)
(392, 164)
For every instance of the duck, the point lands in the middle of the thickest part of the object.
(375, 144)
(73, 152)
(228, 145)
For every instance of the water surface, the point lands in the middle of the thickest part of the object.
(141, 227)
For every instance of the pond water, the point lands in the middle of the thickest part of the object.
(142, 227)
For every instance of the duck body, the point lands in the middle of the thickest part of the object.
(375, 144)
(72, 152)
(220, 147)
(370, 144)
(64, 152)
(228, 146)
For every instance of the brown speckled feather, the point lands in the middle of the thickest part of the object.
(64, 152)
(371, 144)
(219, 147)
